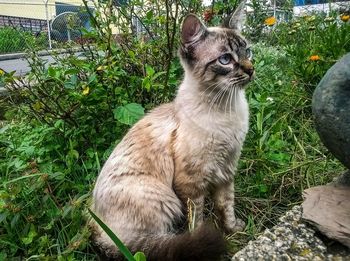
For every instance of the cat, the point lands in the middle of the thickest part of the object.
(184, 150)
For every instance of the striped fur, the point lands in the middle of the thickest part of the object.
(186, 149)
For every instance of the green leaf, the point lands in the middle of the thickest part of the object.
(263, 188)
(149, 15)
(129, 114)
(71, 71)
(73, 154)
(22, 177)
(3, 129)
(158, 74)
(53, 72)
(139, 256)
(123, 249)
(29, 238)
(3, 217)
(131, 54)
(92, 78)
(149, 70)
(146, 84)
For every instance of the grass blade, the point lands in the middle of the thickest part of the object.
(123, 249)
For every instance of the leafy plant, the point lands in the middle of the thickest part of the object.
(64, 119)
(313, 44)
(12, 40)
(282, 154)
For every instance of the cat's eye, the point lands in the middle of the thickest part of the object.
(249, 53)
(225, 59)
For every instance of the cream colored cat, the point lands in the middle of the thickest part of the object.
(186, 149)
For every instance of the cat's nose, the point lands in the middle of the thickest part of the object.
(249, 71)
(247, 67)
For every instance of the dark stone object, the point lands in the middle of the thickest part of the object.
(331, 109)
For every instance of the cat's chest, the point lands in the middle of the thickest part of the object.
(214, 134)
(211, 154)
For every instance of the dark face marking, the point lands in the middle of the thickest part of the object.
(220, 69)
(219, 57)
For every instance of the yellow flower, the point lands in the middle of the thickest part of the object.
(310, 18)
(345, 17)
(101, 68)
(86, 90)
(314, 58)
(2, 72)
(270, 21)
(328, 19)
(296, 25)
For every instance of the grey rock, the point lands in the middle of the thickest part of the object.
(331, 109)
(290, 239)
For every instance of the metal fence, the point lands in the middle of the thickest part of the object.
(45, 24)
(48, 24)
(304, 7)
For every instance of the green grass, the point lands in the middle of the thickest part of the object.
(47, 183)
(283, 154)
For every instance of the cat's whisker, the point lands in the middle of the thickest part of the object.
(221, 99)
(235, 99)
(211, 103)
(213, 86)
(216, 101)
(217, 96)
(212, 100)
(231, 94)
(228, 97)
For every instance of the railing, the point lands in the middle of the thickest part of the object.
(40, 23)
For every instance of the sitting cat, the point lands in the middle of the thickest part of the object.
(186, 149)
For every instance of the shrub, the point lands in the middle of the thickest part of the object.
(68, 116)
(13, 40)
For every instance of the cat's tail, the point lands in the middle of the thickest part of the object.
(205, 243)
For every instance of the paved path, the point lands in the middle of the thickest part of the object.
(20, 65)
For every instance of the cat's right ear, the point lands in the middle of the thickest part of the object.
(192, 29)
(238, 18)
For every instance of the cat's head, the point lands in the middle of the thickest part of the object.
(216, 56)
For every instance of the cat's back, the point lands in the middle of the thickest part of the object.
(146, 148)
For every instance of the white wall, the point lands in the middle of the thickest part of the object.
(301, 10)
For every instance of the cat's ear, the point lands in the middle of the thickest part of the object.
(192, 29)
(238, 18)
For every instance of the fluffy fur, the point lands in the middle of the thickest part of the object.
(186, 149)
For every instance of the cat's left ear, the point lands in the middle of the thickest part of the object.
(238, 18)
(192, 29)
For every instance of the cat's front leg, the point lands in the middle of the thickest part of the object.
(195, 208)
(193, 202)
(224, 206)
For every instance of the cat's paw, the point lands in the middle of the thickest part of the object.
(237, 226)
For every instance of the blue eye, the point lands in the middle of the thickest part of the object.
(249, 53)
(225, 59)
